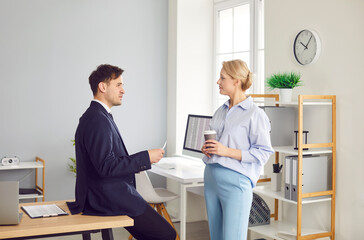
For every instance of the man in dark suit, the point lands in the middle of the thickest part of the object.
(105, 183)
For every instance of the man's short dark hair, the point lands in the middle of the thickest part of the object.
(103, 73)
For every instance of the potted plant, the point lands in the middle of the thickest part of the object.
(285, 82)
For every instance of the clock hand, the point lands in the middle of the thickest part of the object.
(303, 45)
(308, 41)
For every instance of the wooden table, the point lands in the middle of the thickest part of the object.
(64, 225)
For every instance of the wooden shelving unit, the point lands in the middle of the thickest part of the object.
(38, 164)
(279, 226)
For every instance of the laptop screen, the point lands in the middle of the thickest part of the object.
(194, 138)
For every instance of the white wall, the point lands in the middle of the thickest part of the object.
(190, 48)
(189, 64)
(338, 71)
(48, 50)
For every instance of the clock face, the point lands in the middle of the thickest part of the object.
(306, 47)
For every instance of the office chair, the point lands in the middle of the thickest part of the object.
(154, 196)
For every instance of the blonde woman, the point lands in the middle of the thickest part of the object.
(234, 161)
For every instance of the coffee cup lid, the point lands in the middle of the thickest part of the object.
(209, 132)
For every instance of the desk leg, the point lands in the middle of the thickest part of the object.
(86, 236)
(107, 234)
(182, 211)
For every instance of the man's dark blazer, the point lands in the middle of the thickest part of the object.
(105, 181)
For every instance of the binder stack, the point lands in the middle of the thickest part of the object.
(314, 175)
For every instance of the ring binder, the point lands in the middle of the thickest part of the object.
(39, 211)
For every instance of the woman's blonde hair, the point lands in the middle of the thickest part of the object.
(237, 69)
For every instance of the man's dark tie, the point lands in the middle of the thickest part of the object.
(111, 116)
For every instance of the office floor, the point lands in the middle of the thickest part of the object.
(195, 231)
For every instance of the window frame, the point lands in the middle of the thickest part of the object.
(254, 41)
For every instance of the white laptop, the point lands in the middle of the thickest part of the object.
(9, 207)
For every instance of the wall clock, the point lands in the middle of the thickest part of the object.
(307, 47)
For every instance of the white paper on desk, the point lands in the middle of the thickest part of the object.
(164, 145)
(165, 165)
(37, 211)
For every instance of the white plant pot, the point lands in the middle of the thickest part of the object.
(285, 94)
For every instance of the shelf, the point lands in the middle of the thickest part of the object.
(290, 150)
(306, 103)
(38, 164)
(287, 229)
(281, 230)
(29, 196)
(22, 165)
(29, 193)
(266, 190)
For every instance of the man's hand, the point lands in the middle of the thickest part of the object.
(155, 155)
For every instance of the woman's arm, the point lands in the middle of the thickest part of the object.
(259, 138)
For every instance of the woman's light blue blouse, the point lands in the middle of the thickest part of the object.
(246, 127)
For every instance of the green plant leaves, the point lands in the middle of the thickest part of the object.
(284, 80)
(72, 165)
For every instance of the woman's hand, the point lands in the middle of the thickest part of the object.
(214, 147)
(204, 151)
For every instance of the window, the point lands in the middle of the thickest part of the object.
(239, 34)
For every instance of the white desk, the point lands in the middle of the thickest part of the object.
(188, 173)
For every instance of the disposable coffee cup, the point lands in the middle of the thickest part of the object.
(209, 135)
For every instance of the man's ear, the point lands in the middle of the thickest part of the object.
(102, 87)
